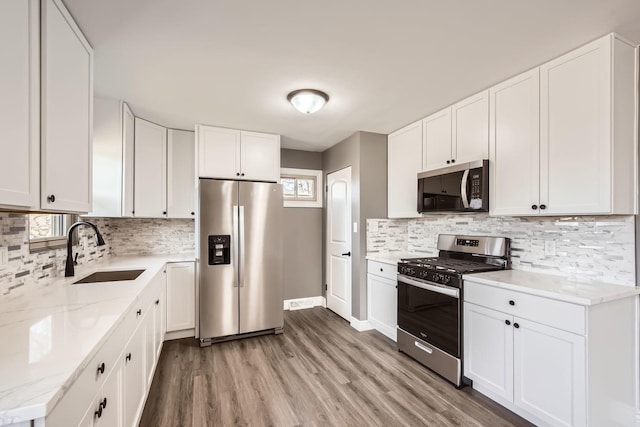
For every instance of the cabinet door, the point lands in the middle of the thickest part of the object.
(150, 160)
(514, 153)
(20, 103)
(67, 112)
(128, 151)
(404, 164)
(160, 318)
(181, 303)
(488, 349)
(149, 324)
(260, 157)
(437, 140)
(89, 418)
(383, 305)
(575, 131)
(470, 123)
(218, 152)
(181, 174)
(111, 399)
(134, 377)
(549, 373)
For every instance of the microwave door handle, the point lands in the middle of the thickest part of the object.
(463, 189)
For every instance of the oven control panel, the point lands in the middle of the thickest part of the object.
(468, 242)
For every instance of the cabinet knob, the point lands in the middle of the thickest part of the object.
(448, 161)
(104, 403)
(237, 173)
(193, 213)
(157, 301)
(242, 174)
(507, 322)
(453, 160)
(51, 198)
(534, 207)
(543, 206)
(164, 212)
(98, 413)
(128, 357)
(133, 213)
(139, 312)
(381, 269)
(101, 368)
(512, 302)
(515, 325)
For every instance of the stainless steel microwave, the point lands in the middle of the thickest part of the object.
(459, 188)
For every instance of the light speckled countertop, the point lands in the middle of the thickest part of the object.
(392, 257)
(554, 287)
(49, 333)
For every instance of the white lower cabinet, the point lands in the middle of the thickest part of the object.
(181, 296)
(529, 353)
(112, 389)
(382, 298)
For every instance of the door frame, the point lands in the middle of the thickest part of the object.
(327, 254)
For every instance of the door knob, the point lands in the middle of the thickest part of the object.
(347, 253)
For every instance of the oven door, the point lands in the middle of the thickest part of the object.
(430, 312)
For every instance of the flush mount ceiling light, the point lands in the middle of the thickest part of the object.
(308, 100)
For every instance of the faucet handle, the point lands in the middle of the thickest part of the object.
(75, 259)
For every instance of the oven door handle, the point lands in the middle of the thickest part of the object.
(452, 292)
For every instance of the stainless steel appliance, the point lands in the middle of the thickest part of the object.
(240, 227)
(430, 299)
(458, 188)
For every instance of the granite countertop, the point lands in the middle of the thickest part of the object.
(555, 287)
(392, 257)
(49, 333)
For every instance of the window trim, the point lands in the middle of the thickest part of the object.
(317, 174)
(43, 244)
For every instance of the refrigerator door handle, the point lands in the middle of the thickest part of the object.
(241, 251)
(235, 251)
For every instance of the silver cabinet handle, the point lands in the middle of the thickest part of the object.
(463, 189)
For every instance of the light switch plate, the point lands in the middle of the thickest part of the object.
(550, 247)
(4, 256)
(355, 227)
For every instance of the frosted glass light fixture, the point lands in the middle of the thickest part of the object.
(308, 100)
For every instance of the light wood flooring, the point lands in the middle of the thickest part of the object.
(320, 372)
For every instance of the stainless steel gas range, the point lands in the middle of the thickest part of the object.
(430, 299)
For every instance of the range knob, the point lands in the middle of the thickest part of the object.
(447, 279)
(424, 274)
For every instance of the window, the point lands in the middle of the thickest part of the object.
(300, 187)
(49, 231)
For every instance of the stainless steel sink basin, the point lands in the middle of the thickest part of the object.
(111, 276)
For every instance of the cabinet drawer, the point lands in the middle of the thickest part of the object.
(378, 268)
(559, 314)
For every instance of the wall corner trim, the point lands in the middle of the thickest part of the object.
(360, 325)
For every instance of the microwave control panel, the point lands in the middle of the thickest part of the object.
(476, 186)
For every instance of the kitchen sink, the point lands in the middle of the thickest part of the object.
(111, 276)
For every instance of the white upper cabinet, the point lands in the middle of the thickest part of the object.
(67, 112)
(128, 151)
(470, 129)
(514, 154)
(457, 134)
(436, 133)
(235, 154)
(588, 103)
(107, 157)
(404, 163)
(259, 156)
(150, 181)
(20, 103)
(181, 174)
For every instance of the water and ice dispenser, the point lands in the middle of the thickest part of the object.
(219, 249)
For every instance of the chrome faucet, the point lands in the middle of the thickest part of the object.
(69, 268)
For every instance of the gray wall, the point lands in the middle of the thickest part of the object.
(366, 153)
(302, 236)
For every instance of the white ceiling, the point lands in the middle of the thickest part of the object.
(384, 64)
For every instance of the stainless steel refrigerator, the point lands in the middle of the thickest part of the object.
(241, 290)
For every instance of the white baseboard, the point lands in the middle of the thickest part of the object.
(176, 335)
(637, 418)
(301, 303)
(360, 325)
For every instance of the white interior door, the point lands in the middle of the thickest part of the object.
(339, 242)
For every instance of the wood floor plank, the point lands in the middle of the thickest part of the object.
(320, 372)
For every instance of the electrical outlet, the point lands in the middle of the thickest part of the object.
(4, 256)
(550, 247)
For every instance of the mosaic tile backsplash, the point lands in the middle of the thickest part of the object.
(123, 236)
(587, 248)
